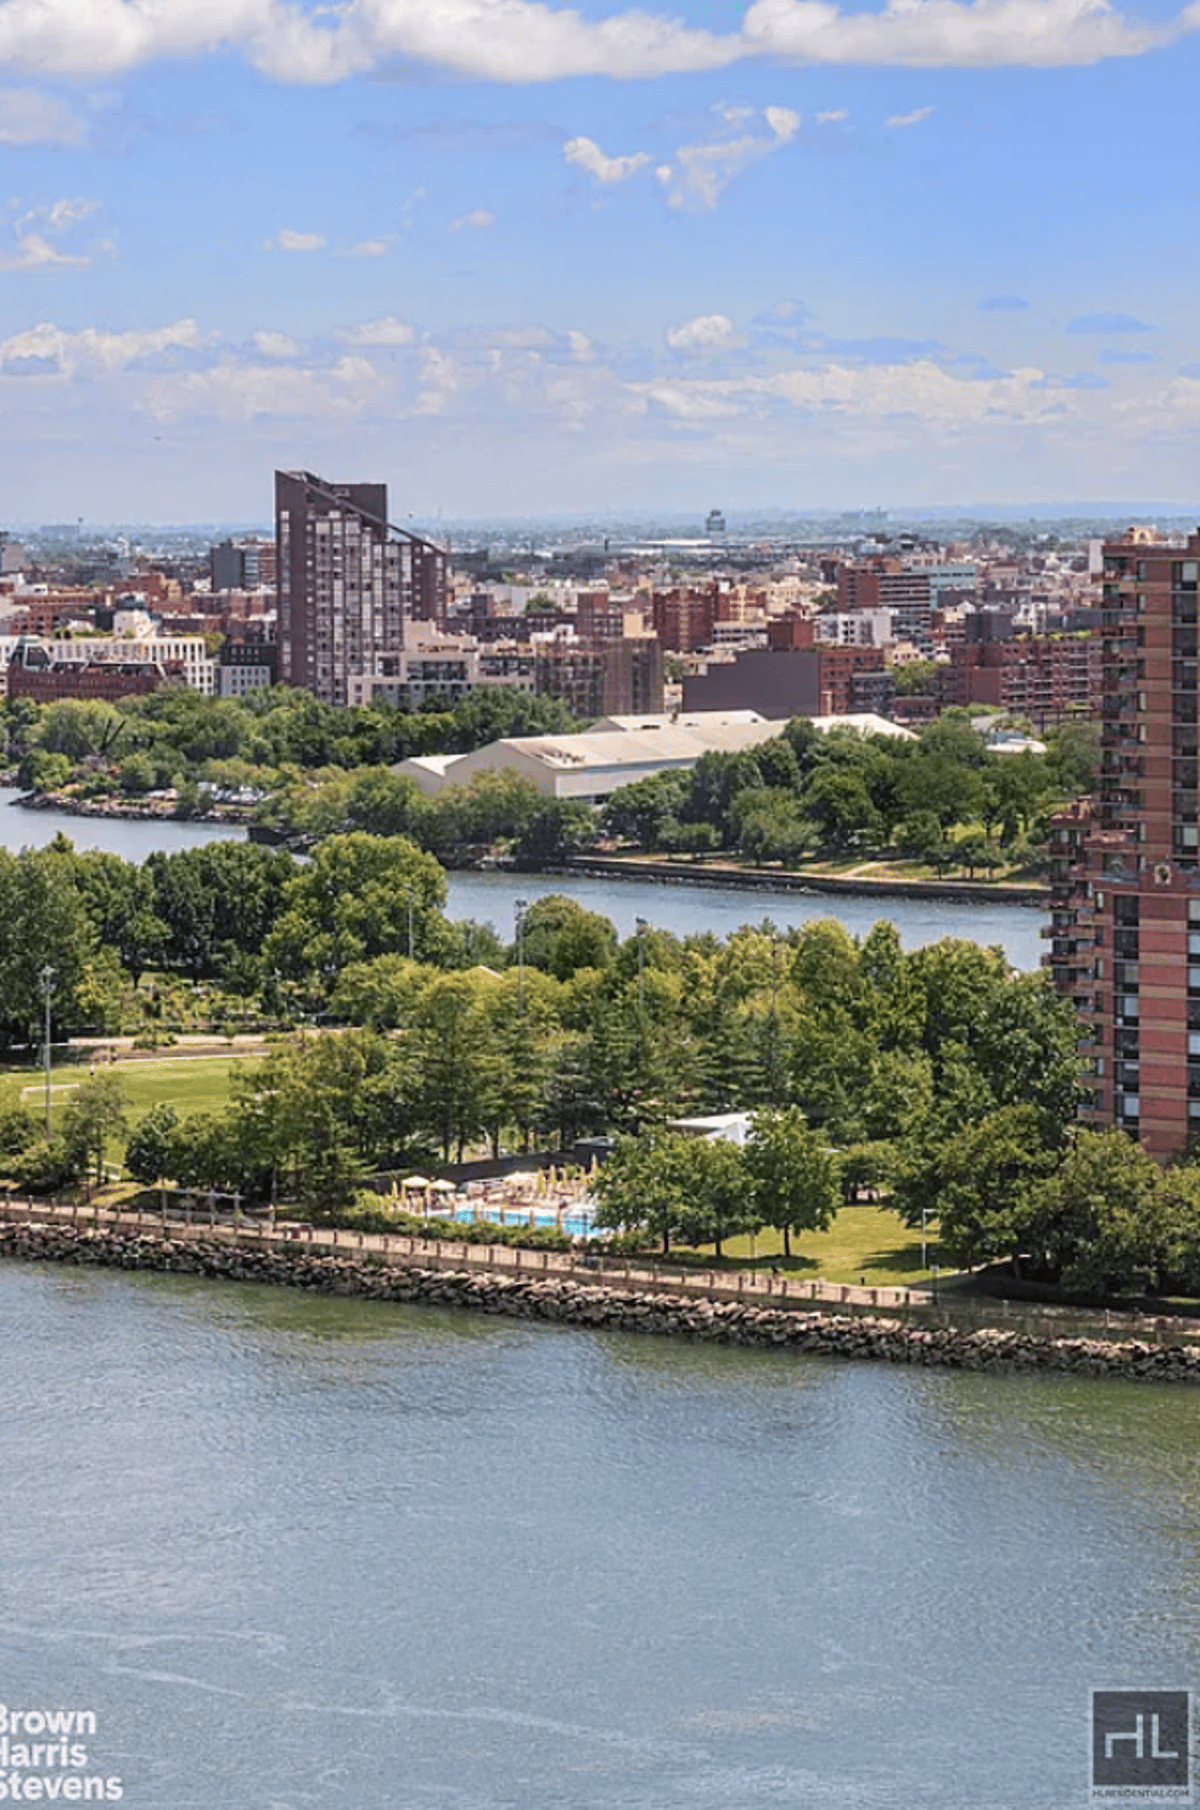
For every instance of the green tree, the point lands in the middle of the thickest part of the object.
(94, 1116)
(150, 1149)
(793, 1174)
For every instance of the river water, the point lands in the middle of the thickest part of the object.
(294, 1551)
(491, 897)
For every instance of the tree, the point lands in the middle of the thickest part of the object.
(987, 1186)
(646, 1182)
(793, 1174)
(560, 935)
(355, 899)
(95, 1114)
(150, 1150)
(1101, 1221)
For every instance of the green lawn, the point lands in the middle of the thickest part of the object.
(189, 1083)
(865, 1241)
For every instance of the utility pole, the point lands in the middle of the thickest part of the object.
(47, 980)
(520, 907)
(642, 928)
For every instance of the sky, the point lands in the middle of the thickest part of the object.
(515, 257)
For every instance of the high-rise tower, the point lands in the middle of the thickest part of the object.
(347, 583)
(1125, 929)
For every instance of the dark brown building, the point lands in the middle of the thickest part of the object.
(347, 582)
(813, 681)
(602, 678)
(1125, 916)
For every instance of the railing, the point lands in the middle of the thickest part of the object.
(758, 1288)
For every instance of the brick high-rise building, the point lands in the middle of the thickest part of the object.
(1125, 923)
(347, 582)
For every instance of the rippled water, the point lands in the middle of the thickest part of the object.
(295, 1551)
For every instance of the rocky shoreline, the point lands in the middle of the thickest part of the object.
(878, 1339)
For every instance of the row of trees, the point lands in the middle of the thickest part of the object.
(264, 740)
(844, 791)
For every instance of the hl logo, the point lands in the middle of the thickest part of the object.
(1141, 1745)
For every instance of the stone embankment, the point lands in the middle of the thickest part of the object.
(573, 1304)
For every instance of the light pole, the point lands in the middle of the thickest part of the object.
(642, 928)
(47, 980)
(520, 907)
(409, 897)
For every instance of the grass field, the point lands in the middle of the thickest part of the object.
(189, 1083)
(868, 1241)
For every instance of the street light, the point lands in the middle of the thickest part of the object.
(47, 980)
(408, 896)
(642, 927)
(520, 907)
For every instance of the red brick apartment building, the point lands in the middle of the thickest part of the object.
(1043, 677)
(1125, 925)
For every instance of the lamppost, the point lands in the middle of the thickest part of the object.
(642, 927)
(520, 907)
(47, 980)
(409, 898)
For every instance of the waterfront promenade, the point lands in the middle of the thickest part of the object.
(759, 1289)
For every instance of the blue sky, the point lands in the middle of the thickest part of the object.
(515, 257)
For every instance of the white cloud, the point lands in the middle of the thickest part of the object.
(236, 392)
(950, 33)
(476, 221)
(368, 248)
(386, 332)
(276, 345)
(704, 333)
(37, 234)
(606, 170)
(93, 349)
(28, 117)
(701, 172)
(287, 240)
(898, 121)
(833, 116)
(522, 41)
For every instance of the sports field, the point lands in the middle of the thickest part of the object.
(189, 1083)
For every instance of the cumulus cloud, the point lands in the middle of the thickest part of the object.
(959, 34)
(700, 173)
(898, 121)
(514, 41)
(386, 332)
(705, 333)
(1107, 323)
(586, 153)
(276, 345)
(67, 352)
(29, 117)
(476, 221)
(287, 240)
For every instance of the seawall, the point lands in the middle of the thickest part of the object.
(860, 886)
(566, 1302)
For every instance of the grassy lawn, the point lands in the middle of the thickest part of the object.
(189, 1084)
(868, 1241)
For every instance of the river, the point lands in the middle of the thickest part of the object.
(295, 1551)
(491, 897)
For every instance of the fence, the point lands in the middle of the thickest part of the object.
(755, 1288)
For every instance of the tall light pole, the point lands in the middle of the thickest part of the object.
(642, 927)
(409, 897)
(520, 907)
(47, 979)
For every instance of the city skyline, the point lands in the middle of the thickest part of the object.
(519, 259)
